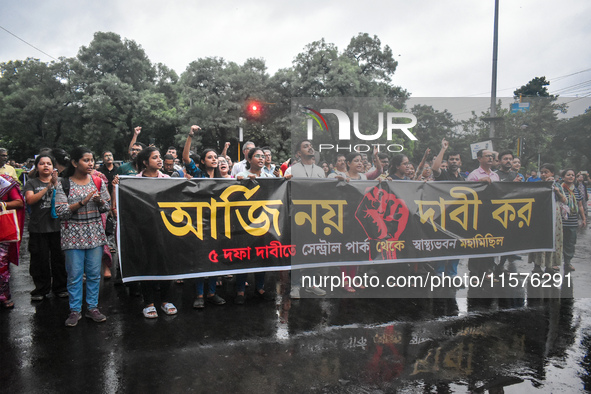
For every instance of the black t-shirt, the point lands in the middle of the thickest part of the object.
(109, 174)
(447, 176)
(508, 176)
(40, 220)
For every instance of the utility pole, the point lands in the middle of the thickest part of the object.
(493, 93)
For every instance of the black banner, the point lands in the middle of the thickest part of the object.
(177, 228)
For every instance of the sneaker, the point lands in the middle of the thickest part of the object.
(295, 293)
(72, 320)
(239, 300)
(199, 303)
(95, 315)
(216, 300)
(265, 296)
(316, 291)
(537, 270)
(37, 297)
(63, 294)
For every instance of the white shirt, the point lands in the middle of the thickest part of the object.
(300, 170)
(238, 167)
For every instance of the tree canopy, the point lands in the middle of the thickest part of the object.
(111, 86)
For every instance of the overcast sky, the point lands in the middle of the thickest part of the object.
(444, 48)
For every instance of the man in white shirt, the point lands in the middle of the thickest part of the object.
(241, 165)
(305, 168)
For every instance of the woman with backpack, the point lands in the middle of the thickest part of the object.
(80, 200)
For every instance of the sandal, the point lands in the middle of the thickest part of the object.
(8, 304)
(150, 312)
(169, 308)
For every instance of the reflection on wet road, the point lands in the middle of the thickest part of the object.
(531, 342)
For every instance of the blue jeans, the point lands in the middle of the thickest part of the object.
(449, 267)
(259, 281)
(79, 262)
(210, 283)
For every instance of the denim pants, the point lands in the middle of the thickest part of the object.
(447, 267)
(259, 281)
(569, 242)
(79, 262)
(199, 284)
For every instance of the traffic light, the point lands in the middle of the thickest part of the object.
(254, 109)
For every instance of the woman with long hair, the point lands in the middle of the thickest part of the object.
(208, 168)
(48, 264)
(254, 169)
(398, 167)
(549, 262)
(571, 223)
(149, 164)
(581, 183)
(80, 200)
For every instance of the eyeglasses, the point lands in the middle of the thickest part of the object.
(488, 156)
(3, 155)
(258, 156)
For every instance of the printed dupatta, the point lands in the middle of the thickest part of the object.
(7, 183)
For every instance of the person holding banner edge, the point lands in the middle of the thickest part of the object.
(208, 168)
(255, 161)
(149, 164)
(452, 173)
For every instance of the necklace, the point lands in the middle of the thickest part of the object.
(306, 171)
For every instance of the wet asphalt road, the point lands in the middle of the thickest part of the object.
(531, 343)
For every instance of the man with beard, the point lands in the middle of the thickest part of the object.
(452, 173)
(483, 173)
(168, 166)
(505, 171)
(179, 169)
(135, 147)
(506, 174)
(6, 168)
(305, 168)
(109, 169)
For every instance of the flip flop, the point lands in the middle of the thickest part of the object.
(169, 308)
(150, 312)
(8, 304)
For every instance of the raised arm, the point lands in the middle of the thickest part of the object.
(378, 164)
(225, 151)
(187, 148)
(439, 158)
(136, 132)
(419, 171)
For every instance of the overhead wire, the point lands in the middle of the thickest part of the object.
(29, 44)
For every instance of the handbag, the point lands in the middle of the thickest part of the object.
(9, 228)
(110, 226)
(564, 211)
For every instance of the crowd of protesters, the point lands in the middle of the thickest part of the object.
(69, 200)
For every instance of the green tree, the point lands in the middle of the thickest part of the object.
(37, 106)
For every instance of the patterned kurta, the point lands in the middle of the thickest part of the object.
(82, 229)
